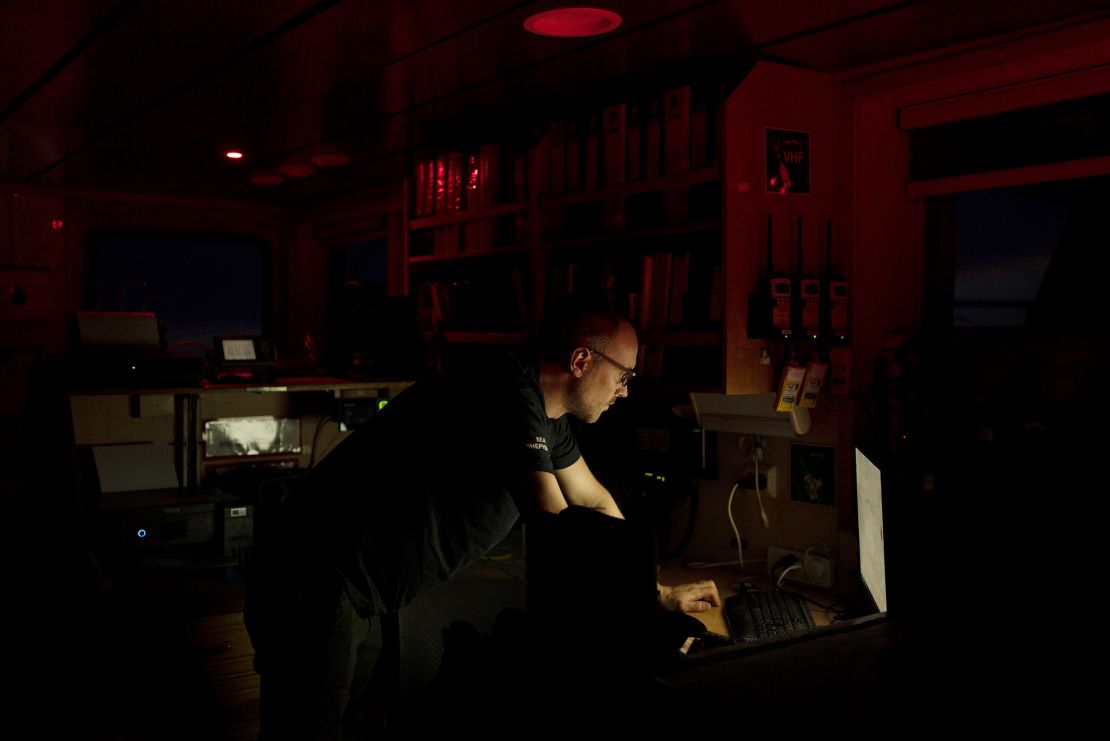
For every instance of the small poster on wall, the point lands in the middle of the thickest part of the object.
(813, 474)
(787, 161)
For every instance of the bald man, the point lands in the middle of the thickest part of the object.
(436, 481)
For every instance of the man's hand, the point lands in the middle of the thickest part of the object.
(697, 597)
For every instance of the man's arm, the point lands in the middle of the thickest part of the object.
(580, 488)
(576, 485)
(696, 597)
(536, 491)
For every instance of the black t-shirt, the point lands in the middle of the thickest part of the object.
(420, 493)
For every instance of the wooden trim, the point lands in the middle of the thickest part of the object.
(463, 217)
(1017, 176)
(1044, 90)
(468, 255)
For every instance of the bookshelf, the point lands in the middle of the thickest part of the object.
(467, 250)
(622, 202)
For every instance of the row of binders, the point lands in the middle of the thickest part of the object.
(672, 290)
(455, 181)
(487, 302)
(665, 300)
(481, 234)
(660, 135)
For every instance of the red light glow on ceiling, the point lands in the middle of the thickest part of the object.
(331, 158)
(573, 22)
(267, 178)
(234, 155)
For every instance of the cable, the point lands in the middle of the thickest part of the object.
(735, 530)
(324, 418)
(759, 496)
(792, 567)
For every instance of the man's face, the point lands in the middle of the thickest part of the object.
(600, 387)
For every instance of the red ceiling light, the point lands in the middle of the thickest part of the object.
(573, 22)
(233, 154)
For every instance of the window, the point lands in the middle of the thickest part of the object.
(197, 286)
(1030, 256)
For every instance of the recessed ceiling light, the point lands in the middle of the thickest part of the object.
(573, 22)
(234, 154)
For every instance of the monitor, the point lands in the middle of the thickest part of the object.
(872, 545)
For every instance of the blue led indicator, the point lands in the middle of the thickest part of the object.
(141, 533)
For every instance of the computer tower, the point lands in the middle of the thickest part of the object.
(237, 531)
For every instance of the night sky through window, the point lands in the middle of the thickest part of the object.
(199, 287)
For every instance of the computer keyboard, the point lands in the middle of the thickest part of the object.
(754, 614)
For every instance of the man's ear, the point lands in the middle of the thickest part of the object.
(579, 362)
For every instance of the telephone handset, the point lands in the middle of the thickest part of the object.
(242, 357)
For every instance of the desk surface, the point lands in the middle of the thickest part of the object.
(281, 384)
(728, 580)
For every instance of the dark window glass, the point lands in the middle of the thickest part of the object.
(198, 287)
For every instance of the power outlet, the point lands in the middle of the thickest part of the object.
(816, 571)
(769, 480)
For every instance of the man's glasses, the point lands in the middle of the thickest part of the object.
(627, 374)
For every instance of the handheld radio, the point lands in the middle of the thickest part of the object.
(782, 303)
(810, 296)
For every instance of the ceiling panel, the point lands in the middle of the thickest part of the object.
(147, 95)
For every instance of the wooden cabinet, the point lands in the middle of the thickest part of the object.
(173, 659)
(225, 684)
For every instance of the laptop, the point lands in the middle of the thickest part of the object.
(872, 562)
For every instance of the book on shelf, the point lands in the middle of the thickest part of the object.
(716, 293)
(613, 144)
(591, 155)
(557, 169)
(489, 175)
(471, 182)
(676, 206)
(454, 181)
(680, 286)
(647, 282)
(705, 109)
(520, 175)
(676, 130)
(448, 239)
(474, 237)
(699, 133)
(420, 188)
(634, 139)
(661, 290)
(632, 308)
(653, 139)
(573, 153)
(431, 307)
(440, 187)
(651, 360)
(520, 296)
